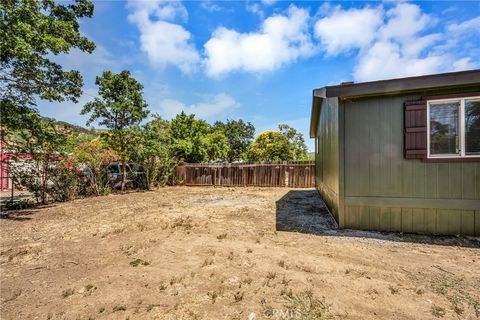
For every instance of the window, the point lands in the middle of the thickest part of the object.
(453, 127)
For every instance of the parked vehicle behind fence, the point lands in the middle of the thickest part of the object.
(135, 179)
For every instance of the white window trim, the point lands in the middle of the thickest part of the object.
(461, 127)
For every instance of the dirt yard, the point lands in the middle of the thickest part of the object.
(223, 253)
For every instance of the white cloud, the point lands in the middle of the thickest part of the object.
(213, 106)
(415, 46)
(255, 9)
(160, 9)
(347, 29)
(386, 60)
(281, 39)
(396, 43)
(404, 21)
(210, 6)
(269, 2)
(464, 64)
(469, 25)
(164, 41)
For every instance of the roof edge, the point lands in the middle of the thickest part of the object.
(450, 79)
(318, 96)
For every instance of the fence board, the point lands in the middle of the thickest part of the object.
(297, 174)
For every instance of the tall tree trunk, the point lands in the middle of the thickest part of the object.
(123, 157)
(124, 174)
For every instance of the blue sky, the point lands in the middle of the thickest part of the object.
(260, 60)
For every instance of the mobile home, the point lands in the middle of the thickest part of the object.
(401, 154)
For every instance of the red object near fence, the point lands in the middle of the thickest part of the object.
(5, 158)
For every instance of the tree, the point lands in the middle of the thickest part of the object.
(120, 108)
(94, 154)
(187, 138)
(239, 136)
(32, 31)
(283, 145)
(298, 148)
(153, 151)
(45, 141)
(269, 146)
(195, 141)
(216, 145)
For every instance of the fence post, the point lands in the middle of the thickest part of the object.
(214, 176)
(11, 198)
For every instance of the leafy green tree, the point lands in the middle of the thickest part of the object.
(239, 136)
(216, 145)
(120, 108)
(269, 146)
(32, 31)
(153, 151)
(94, 153)
(283, 145)
(187, 138)
(195, 141)
(45, 141)
(298, 148)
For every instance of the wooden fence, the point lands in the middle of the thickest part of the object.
(299, 174)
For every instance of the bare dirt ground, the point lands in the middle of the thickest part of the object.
(222, 253)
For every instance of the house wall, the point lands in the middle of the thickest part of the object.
(385, 191)
(327, 159)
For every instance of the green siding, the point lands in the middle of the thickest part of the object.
(374, 162)
(430, 221)
(327, 155)
(385, 191)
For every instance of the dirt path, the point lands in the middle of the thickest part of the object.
(205, 253)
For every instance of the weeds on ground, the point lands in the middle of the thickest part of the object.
(305, 306)
(285, 281)
(138, 262)
(269, 277)
(104, 190)
(174, 280)
(222, 236)
(437, 311)
(185, 223)
(452, 288)
(89, 288)
(18, 205)
(393, 290)
(67, 293)
(162, 286)
(128, 250)
(305, 268)
(207, 262)
(213, 295)
(238, 296)
(286, 292)
(119, 308)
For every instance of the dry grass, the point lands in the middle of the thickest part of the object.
(220, 253)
